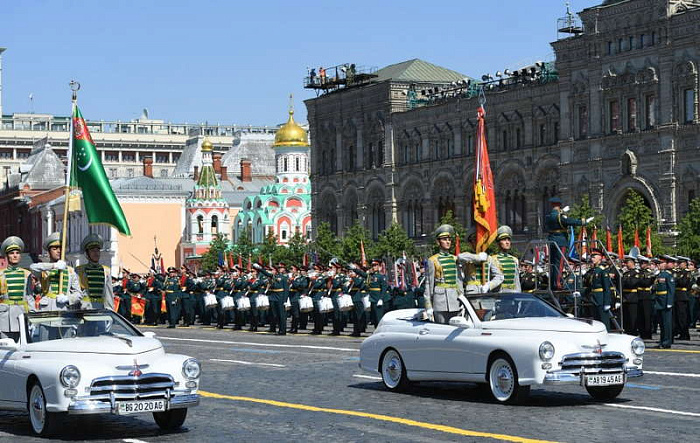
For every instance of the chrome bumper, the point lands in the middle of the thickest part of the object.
(577, 376)
(83, 406)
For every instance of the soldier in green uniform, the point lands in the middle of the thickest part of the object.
(171, 286)
(694, 293)
(153, 293)
(337, 283)
(630, 294)
(556, 224)
(238, 291)
(645, 305)
(681, 317)
(224, 286)
(206, 285)
(528, 278)
(279, 293)
(377, 286)
(60, 289)
(304, 291)
(318, 287)
(95, 278)
(298, 286)
(136, 292)
(16, 286)
(256, 285)
(507, 262)
(597, 289)
(187, 288)
(664, 292)
(357, 288)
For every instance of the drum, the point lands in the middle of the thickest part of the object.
(243, 304)
(287, 305)
(325, 305)
(306, 304)
(227, 303)
(367, 303)
(210, 300)
(262, 302)
(345, 303)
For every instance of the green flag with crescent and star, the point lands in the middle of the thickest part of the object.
(88, 174)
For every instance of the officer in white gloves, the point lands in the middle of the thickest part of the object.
(482, 275)
(60, 288)
(444, 280)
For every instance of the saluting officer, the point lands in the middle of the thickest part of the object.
(630, 294)
(16, 286)
(664, 292)
(507, 262)
(556, 224)
(279, 293)
(60, 288)
(597, 289)
(95, 278)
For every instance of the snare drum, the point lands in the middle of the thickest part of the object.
(210, 300)
(287, 305)
(243, 304)
(345, 303)
(325, 305)
(306, 304)
(367, 303)
(262, 302)
(227, 303)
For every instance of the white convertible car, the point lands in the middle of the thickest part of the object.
(89, 362)
(508, 341)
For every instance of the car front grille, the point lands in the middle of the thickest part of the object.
(593, 362)
(129, 387)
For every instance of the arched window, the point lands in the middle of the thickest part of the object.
(297, 164)
(200, 224)
(284, 164)
(214, 225)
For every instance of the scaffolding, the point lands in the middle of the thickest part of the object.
(338, 77)
(568, 25)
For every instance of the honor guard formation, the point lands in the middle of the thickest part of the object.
(655, 294)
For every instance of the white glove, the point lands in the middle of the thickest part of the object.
(576, 294)
(257, 266)
(429, 314)
(669, 306)
(485, 288)
(352, 266)
(380, 303)
(482, 256)
(565, 208)
(60, 265)
(61, 298)
(589, 219)
(617, 305)
(606, 308)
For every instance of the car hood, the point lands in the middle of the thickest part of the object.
(97, 345)
(563, 324)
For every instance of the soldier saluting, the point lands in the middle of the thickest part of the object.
(556, 224)
(15, 282)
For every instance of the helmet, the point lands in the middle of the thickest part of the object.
(504, 232)
(10, 244)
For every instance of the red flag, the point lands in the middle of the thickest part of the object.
(608, 239)
(162, 267)
(250, 262)
(230, 261)
(363, 256)
(583, 237)
(484, 200)
(240, 262)
(305, 260)
(620, 246)
(594, 236)
(457, 246)
(414, 281)
(636, 237)
(648, 242)
(260, 261)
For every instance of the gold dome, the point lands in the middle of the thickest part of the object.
(207, 146)
(291, 134)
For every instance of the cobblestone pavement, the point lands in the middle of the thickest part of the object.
(262, 387)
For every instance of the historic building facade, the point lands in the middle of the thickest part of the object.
(620, 114)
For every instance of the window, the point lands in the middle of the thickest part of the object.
(610, 48)
(284, 164)
(162, 158)
(214, 224)
(650, 111)
(297, 164)
(619, 45)
(583, 121)
(518, 138)
(631, 114)
(505, 140)
(556, 132)
(543, 134)
(200, 224)
(630, 44)
(112, 172)
(470, 144)
(128, 157)
(405, 154)
(653, 39)
(642, 40)
(614, 116)
(689, 105)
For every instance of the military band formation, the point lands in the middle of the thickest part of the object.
(656, 293)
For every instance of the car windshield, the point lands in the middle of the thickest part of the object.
(492, 307)
(44, 326)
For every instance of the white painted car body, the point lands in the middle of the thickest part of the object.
(444, 352)
(121, 367)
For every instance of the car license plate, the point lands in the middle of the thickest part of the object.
(605, 379)
(137, 407)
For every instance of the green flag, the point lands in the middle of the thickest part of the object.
(88, 174)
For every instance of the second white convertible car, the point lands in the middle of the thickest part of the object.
(508, 341)
(89, 362)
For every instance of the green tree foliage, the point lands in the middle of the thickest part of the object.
(350, 245)
(326, 245)
(689, 232)
(635, 214)
(268, 248)
(293, 252)
(210, 259)
(393, 242)
(243, 247)
(583, 210)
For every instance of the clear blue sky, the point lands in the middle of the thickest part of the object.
(236, 62)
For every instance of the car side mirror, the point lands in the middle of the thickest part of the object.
(8, 343)
(149, 334)
(460, 322)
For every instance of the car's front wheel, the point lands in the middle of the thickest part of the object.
(170, 420)
(503, 381)
(605, 393)
(44, 423)
(393, 371)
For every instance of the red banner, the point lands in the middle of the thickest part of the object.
(608, 239)
(620, 246)
(648, 242)
(484, 199)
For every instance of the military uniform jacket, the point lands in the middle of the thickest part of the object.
(683, 284)
(644, 284)
(299, 286)
(318, 287)
(16, 286)
(171, 285)
(630, 285)
(664, 290)
(103, 298)
(528, 281)
(279, 286)
(508, 266)
(598, 286)
(556, 224)
(440, 295)
(49, 278)
(572, 282)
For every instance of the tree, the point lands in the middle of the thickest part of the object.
(689, 232)
(326, 245)
(584, 210)
(268, 248)
(635, 214)
(393, 242)
(350, 245)
(217, 247)
(244, 246)
(293, 252)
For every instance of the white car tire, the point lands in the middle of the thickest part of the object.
(44, 423)
(170, 420)
(393, 370)
(503, 381)
(605, 393)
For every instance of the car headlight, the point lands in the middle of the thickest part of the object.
(638, 346)
(191, 368)
(546, 351)
(70, 376)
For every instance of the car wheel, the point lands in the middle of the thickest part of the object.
(44, 423)
(605, 393)
(170, 420)
(393, 371)
(503, 381)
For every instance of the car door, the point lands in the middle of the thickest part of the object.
(12, 386)
(448, 349)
